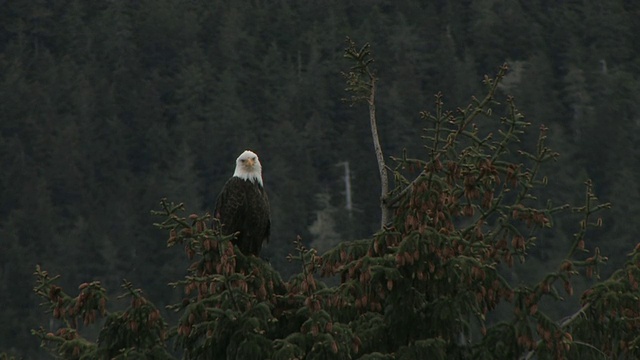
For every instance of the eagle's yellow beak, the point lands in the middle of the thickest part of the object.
(250, 163)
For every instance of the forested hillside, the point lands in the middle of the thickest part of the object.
(106, 107)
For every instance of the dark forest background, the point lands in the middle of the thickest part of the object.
(106, 107)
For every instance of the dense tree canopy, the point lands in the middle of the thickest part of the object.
(107, 107)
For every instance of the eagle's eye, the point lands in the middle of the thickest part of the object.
(243, 160)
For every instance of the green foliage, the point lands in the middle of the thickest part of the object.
(139, 332)
(360, 78)
(234, 307)
(228, 297)
(238, 307)
(608, 323)
(469, 210)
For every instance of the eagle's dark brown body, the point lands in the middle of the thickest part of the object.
(243, 207)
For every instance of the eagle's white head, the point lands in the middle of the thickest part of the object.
(248, 167)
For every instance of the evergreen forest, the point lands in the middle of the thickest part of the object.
(106, 108)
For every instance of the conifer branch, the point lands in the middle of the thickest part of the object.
(468, 116)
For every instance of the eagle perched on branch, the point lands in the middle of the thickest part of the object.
(243, 207)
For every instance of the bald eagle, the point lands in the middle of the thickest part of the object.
(243, 207)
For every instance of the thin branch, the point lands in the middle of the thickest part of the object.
(570, 319)
(391, 201)
(563, 324)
